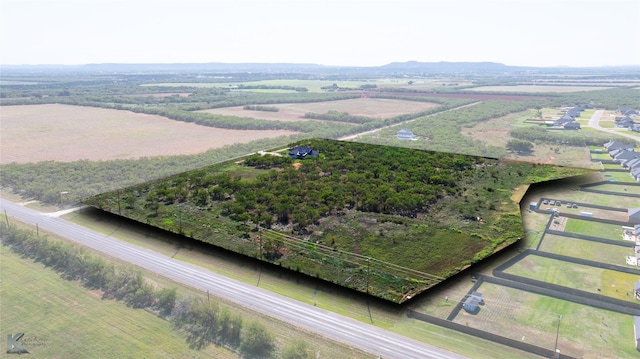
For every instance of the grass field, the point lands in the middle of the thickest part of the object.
(594, 229)
(66, 133)
(284, 333)
(534, 319)
(620, 177)
(589, 279)
(370, 107)
(496, 132)
(584, 249)
(538, 88)
(346, 303)
(619, 188)
(71, 321)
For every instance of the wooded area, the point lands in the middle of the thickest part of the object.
(303, 214)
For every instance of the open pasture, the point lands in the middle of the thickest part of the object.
(584, 249)
(533, 319)
(371, 107)
(65, 133)
(594, 229)
(595, 280)
(537, 88)
(62, 319)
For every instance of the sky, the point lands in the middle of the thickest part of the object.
(576, 33)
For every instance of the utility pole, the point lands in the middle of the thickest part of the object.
(557, 352)
(368, 270)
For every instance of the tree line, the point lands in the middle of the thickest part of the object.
(203, 320)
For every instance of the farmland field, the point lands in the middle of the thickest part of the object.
(538, 88)
(370, 107)
(64, 133)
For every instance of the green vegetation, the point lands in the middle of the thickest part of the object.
(533, 318)
(198, 321)
(367, 217)
(589, 250)
(595, 229)
(261, 108)
(590, 279)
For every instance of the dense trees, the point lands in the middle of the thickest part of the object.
(520, 146)
(329, 215)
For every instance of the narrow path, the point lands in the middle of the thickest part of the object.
(351, 137)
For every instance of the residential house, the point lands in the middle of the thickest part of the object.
(405, 134)
(574, 112)
(617, 145)
(636, 127)
(563, 120)
(302, 152)
(627, 111)
(625, 155)
(635, 173)
(572, 126)
(631, 163)
(626, 122)
(634, 215)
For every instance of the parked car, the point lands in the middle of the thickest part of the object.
(558, 203)
(569, 205)
(552, 202)
(546, 201)
(575, 205)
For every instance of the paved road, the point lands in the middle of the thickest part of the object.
(361, 335)
(594, 122)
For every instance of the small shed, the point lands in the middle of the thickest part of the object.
(533, 206)
(586, 214)
(472, 303)
(405, 134)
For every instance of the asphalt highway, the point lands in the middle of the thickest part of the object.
(364, 336)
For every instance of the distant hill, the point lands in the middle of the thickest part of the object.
(408, 67)
(450, 67)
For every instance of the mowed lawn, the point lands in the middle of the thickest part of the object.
(593, 251)
(586, 278)
(62, 319)
(66, 133)
(370, 107)
(584, 332)
(593, 229)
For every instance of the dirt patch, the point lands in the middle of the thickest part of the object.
(68, 133)
(370, 107)
(558, 224)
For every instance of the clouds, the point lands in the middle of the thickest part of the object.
(347, 32)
